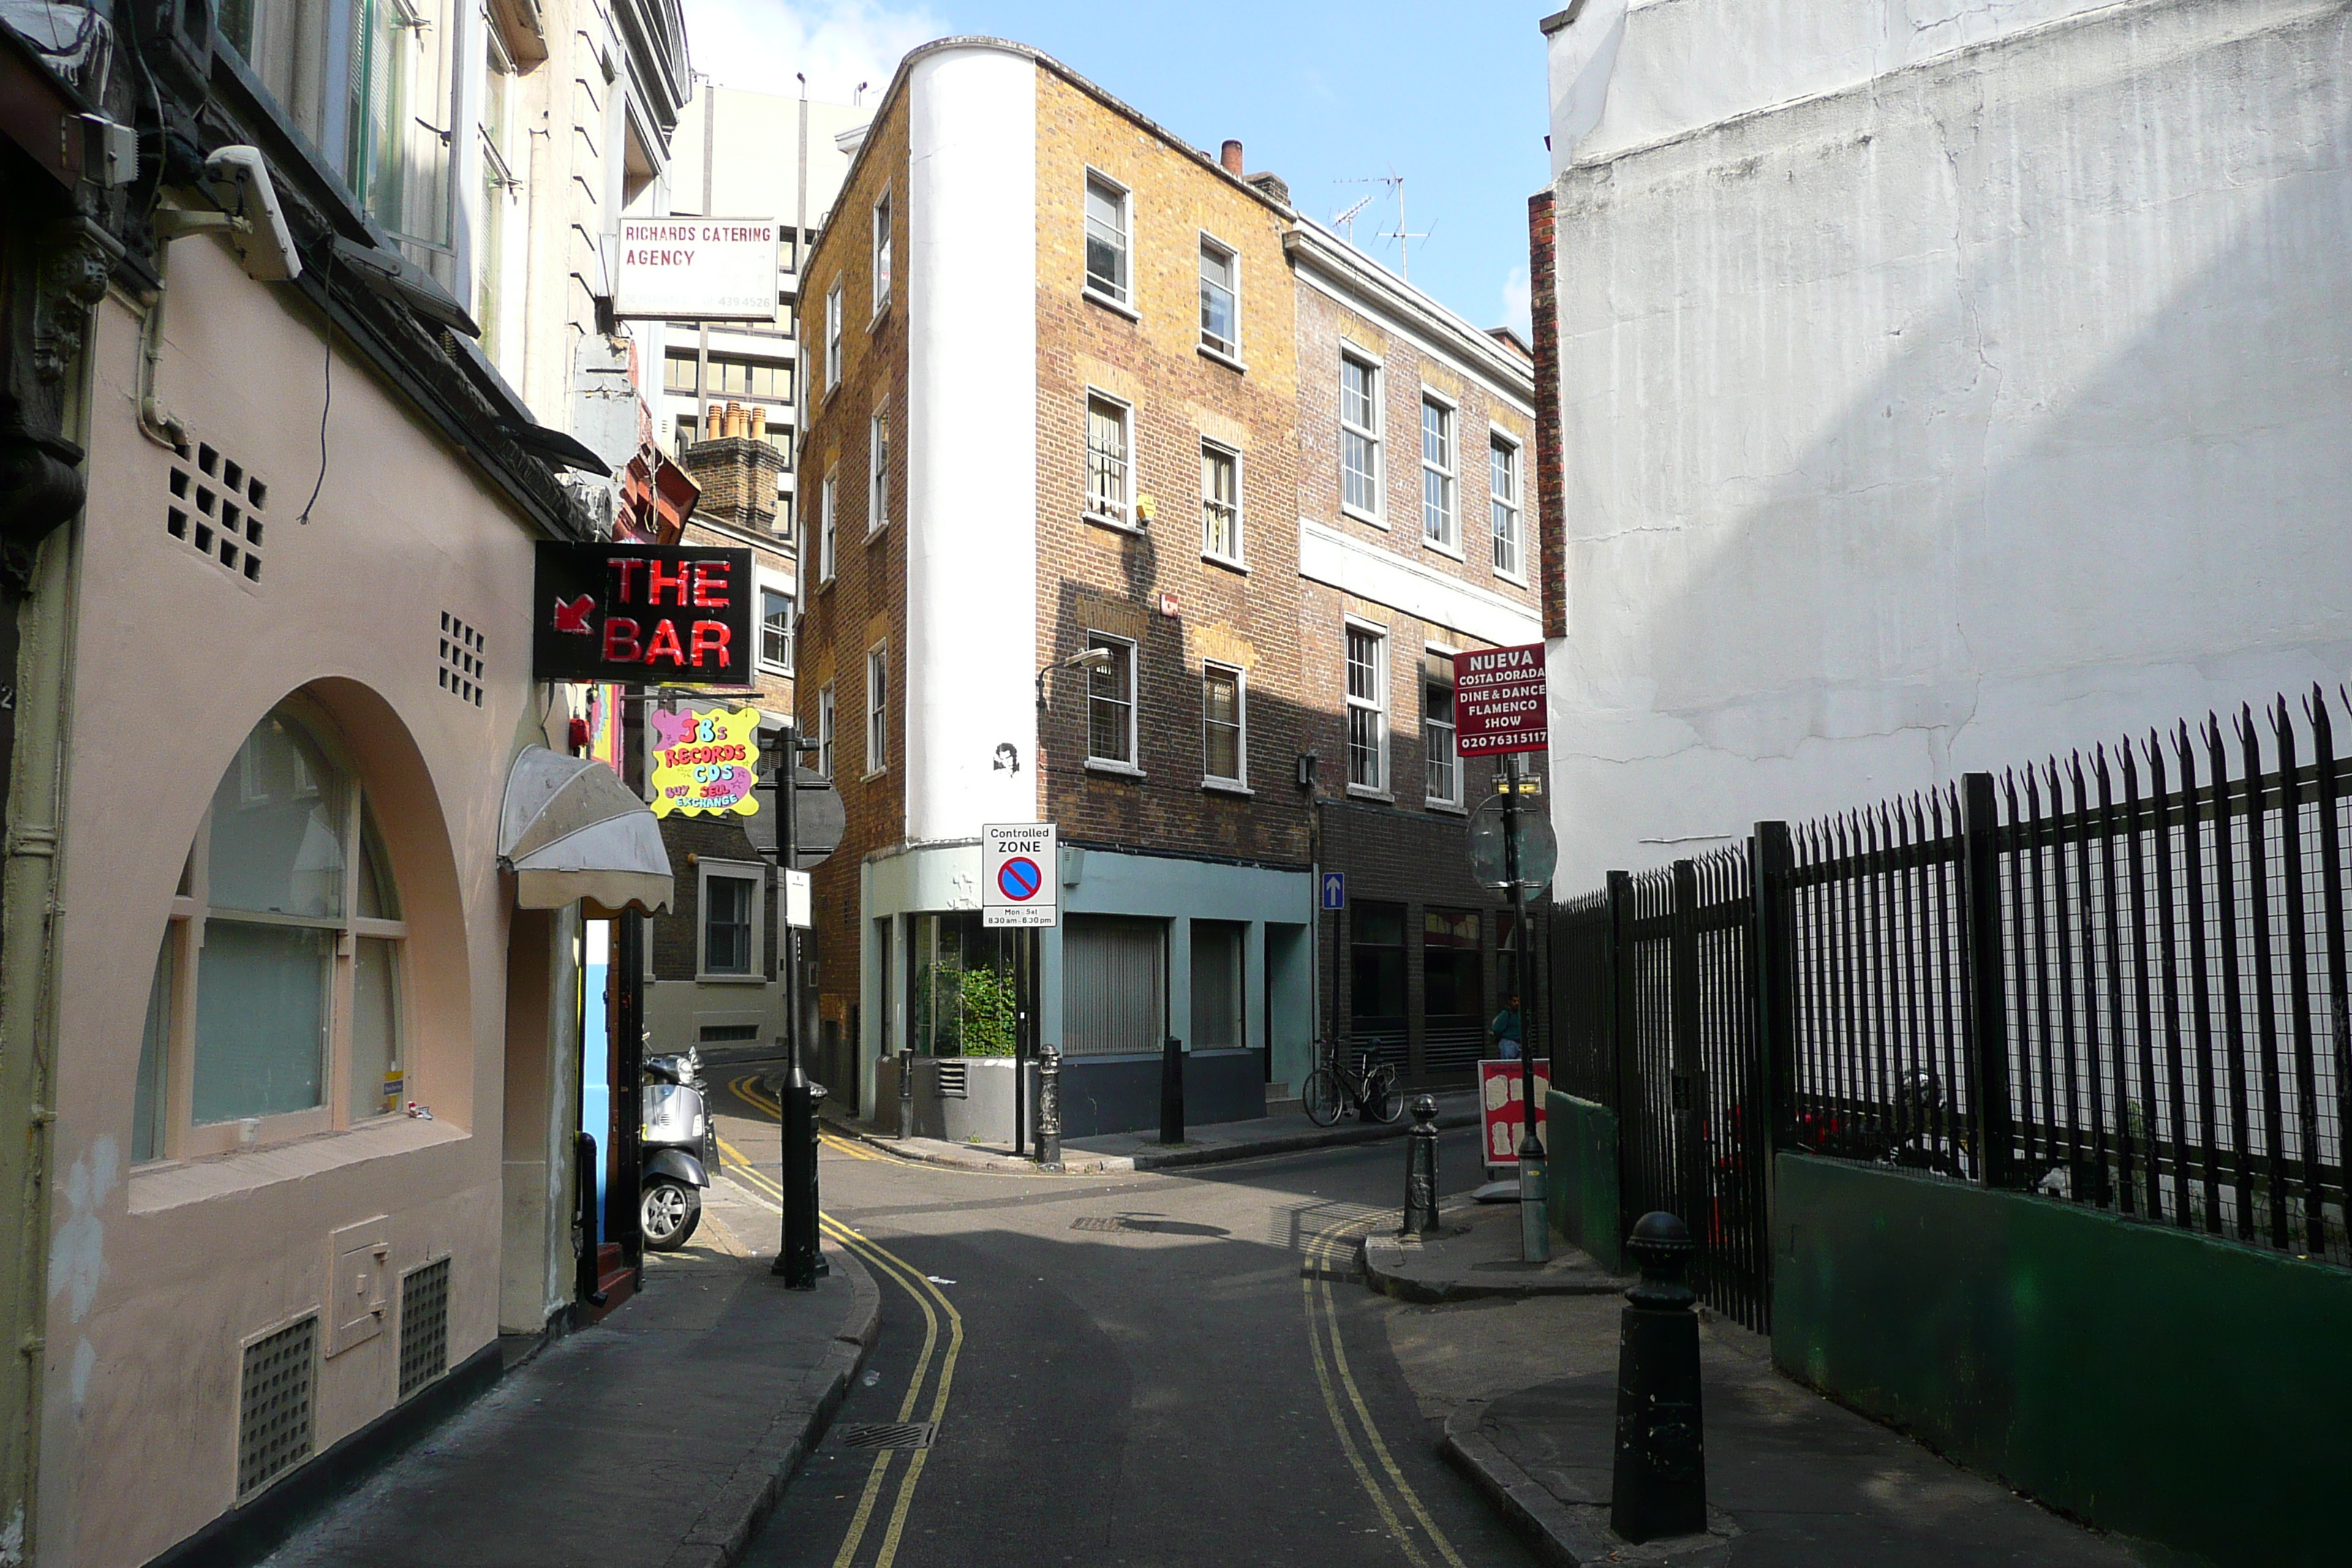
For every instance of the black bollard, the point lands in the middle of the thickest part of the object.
(1421, 1169)
(803, 1261)
(1171, 1091)
(1660, 1488)
(1049, 1106)
(587, 1273)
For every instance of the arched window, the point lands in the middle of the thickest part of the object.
(274, 1010)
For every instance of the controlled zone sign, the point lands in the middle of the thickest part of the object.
(1018, 880)
(698, 269)
(1499, 702)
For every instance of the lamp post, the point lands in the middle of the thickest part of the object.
(799, 1258)
(1534, 1234)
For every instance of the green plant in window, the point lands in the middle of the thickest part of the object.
(987, 1013)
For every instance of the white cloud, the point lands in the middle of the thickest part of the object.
(757, 44)
(1518, 303)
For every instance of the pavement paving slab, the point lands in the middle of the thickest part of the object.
(659, 1438)
(1110, 1153)
(1474, 1255)
(1523, 1389)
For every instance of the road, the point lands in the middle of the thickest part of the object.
(1148, 1370)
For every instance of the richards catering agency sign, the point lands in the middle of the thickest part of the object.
(698, 269)
(667, 614)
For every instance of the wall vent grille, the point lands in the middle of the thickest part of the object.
(424, 1326)
(954, 1080)
(273, 1420)
(461, 660)
(219, 510)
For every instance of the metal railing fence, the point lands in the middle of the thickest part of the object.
(2117, 980)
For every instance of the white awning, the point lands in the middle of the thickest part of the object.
(571, 830)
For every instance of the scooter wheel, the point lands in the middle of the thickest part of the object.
(668, 1211)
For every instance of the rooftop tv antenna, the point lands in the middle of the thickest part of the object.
(1347, 220)
(1403, 237)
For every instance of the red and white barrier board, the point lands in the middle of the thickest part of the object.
(1502, 1114)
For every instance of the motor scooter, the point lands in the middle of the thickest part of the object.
(676, 1147)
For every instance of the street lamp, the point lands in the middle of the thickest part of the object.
(1092, 659)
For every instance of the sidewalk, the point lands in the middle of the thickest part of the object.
(1526, 1391)
(659, 1438)
(1108, 1152)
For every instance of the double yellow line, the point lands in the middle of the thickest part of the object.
(747, 1088)
(1400, 1506)
(935, 1307)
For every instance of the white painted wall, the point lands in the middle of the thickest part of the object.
(1992, 407)
(972, 445)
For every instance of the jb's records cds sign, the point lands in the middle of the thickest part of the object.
(648, 613)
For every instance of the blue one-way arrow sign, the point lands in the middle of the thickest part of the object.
(1335, 889)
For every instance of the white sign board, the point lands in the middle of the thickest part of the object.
(698, 269)
(1020, 882)
(797, 901)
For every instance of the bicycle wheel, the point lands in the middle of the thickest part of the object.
(1383, 1101)
(1321, 1093)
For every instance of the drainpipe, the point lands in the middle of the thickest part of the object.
(28, 958)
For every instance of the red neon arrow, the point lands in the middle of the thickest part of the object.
(573, 616)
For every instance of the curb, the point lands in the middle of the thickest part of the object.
(1172, 1159)
(1382, 1258)
(1551, 1526)
(750, 1494)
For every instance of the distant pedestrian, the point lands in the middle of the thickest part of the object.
(1508, 1031)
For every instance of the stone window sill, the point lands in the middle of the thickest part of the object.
(1113, 769)
(1115, 307)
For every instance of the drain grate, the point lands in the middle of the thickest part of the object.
(890, 1435)
(1101, 1222)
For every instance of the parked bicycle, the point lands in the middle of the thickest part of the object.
(1370, 1087)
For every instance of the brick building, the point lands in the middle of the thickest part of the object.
(1074, 396)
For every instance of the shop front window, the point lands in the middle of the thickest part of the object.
(965, 986)
(1452, 989)
(277, 989)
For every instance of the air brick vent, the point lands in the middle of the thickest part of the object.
(424, 1326)
(461, 660)
(219, 510)
(954, 1082)
(274, 1421)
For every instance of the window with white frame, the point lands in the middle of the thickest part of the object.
(878, 708)
(1359, 436)
(730, 896)
(1220, 501)
(882, 252)
(1224, 755)
(1111, 703)
(776, 629)
(877, 483)
(1444, 764)
(833, 338)
(1367, 716)
(1106, 239)
(1503, 493)
(276, 993)
(1111, 472)
(1221, 319)
(1440, 524)
(825, 730)
(824, 531)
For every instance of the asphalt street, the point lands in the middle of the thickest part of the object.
(1144, 1369)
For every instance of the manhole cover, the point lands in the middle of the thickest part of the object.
(889, 1435)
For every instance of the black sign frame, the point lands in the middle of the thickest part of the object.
(649, 614)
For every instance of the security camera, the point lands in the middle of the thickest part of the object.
(238, 179)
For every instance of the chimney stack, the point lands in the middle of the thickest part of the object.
(1230, 156)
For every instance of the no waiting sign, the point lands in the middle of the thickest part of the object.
(1499, 702)
(1019, 874)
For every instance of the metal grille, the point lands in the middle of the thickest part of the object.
(955, 1081)
(274, 1416)
(890, 1435)
(424, 1326)
(215, 508)
(462, 667)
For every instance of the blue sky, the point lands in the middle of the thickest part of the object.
(1450, 97)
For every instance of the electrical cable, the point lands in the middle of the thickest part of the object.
(327, 402)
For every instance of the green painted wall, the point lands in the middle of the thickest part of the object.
(2156, 1383)
(1580, 1181)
